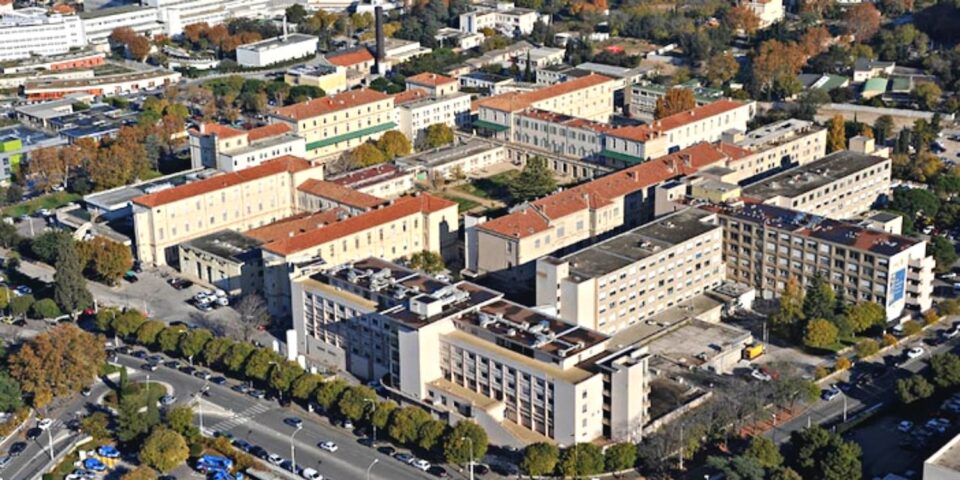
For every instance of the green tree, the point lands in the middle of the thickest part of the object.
(11, 397)
(943, 252)
(381, 416)
(817, 453)
(789, 315)
(430, 433)
(867, 347)
(128, 323)
(366, 154)
(927, 95)
(883, 128)
(283, 375)
(405, 424)
(738, 468)
(820, 333)
(913, 388)
(765, 452)
(69, 287)
(540, 459)
(295, 13)
(819, 301)
(180, 420)
(620, 456)
(48, 245)
(911, 328)
(915, 202)
(581, 459)
(19, 306)
(103, 320)
(329, 393)
(457, 450)
(437, 135)
(132, 424)
(97, 425)
(304, 386)
(260, 362)
(866, 315)
(45, 308)
(427, 261)
(193, 341)
(394, 144)
(836, 135)
(946, 369)
(354, 402)
(236, 358)
(169, 338)
(149, 331)
(215, 350)
(535, 180)
(164, 450)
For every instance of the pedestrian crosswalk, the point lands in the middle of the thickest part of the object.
(241, 418)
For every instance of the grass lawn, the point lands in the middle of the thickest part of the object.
(150, 175)
(494, 187)
(138, 391)
(464, 203)
(49, 201)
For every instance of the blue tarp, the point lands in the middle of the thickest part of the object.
(108, 451)
(94, 464)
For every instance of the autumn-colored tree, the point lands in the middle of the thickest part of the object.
(394, 144)
(720, 69)
(164, 450)
(862, 21)
(366, 154)
(58, 362)
(817, 7)
(820, 333)
(121, 36)
(46, 167)
(774, 61)
(742, 18)
(438, 135)
(676, 100)
(837, 135)
(815, 40)
(138, 47)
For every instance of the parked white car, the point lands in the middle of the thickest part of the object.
(915, 352)
(311, 474)
(421, 464)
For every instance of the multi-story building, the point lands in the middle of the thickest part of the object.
(626, 279)
(315, 195)
(490, 83)
(458, 40)
(238, 200)
(435, 84)
(767, 11)
(464, 158)
(866, 69)
(405, 226)
(672, 133)
(511, 244)
(640, 99)
(384, 180)
(503, 17)
(541, 57)
(417, 110)
(229, 149)
(589, 97)
(324, 75)
(469, 353)
(275, 50)
(338, 123)
(98, 24)
(107, 85)
(34, 31)
(16, 143)
(778, 146)
(54, 63)
(842, 185)
(765, 245)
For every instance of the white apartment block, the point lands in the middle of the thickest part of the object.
(238, 200)
(842, 185)
(277, 50)
(436, 85)
(469, 353)
(503, 18)
(228, 149)
(413, 117)
(541, 57)
(338, 123)
(33, 31)
(99, 24)
(669, 134)
(765, 246)
(629, 278)
(778, 146)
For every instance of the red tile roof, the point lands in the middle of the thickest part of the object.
(567, 120)
(411, 95)
(431, 79)
(325, 105)
(296, 225)
(349, 58)
(222, 131)
(399, 208)
(642, 133)
(267, 131)
(286, 163)
(601, 192)
(340, 194)
(514, 101)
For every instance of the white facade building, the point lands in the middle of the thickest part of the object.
(276, 50)
(99, 24)
(415, 116)
(34, 31)
(504, 18)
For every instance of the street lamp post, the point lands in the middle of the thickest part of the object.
(374, 462)
(468, 439)
(844, 406)
(50, 440)
(293, 452)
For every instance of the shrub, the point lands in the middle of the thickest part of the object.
(45, 308)
(867, 347)
(889, 340)
(843, 363)
(912, 328)
(930, 317)
(820, 372)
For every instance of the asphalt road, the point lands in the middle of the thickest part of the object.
(880, 391)
(261, 422)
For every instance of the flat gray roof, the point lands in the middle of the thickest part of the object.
(118, 198)
(628, 248)
(105, 12)
(278, 41)
(805, 178)
(226, 244)
(448, 154)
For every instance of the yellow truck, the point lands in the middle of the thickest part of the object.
(752, 351)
